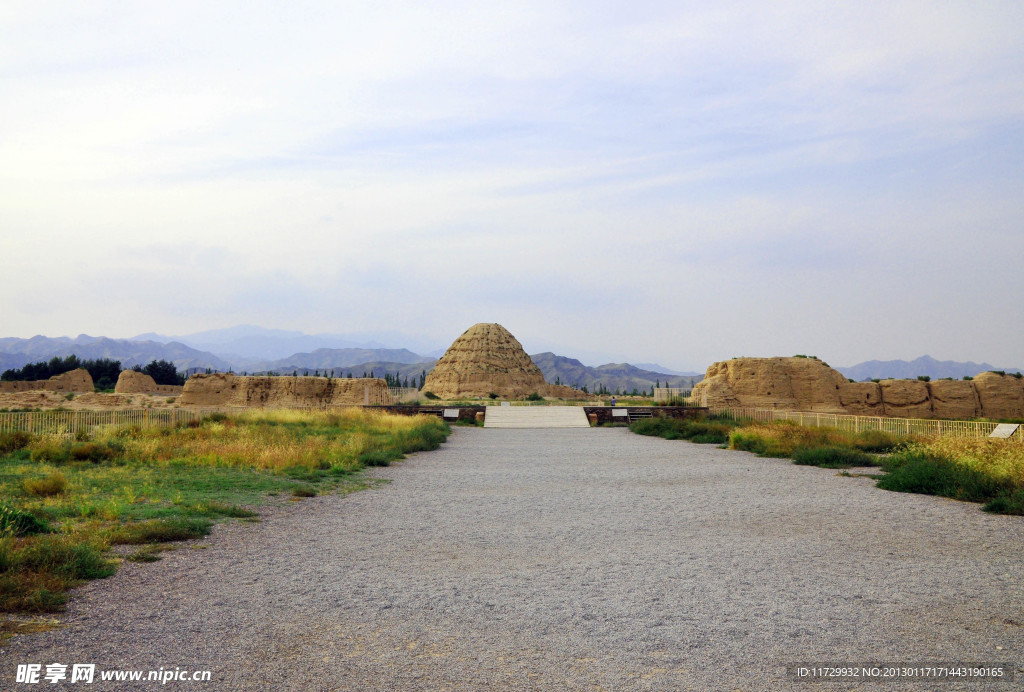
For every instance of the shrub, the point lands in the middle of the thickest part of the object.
(20, 523)
(91, 451)
(51, 451)
(832, 457)
(304, 491)
(968, 378)
(1006, 503)
(535, 397)
(431, 395)
(924, 378)
(492, 395)
(48, 486)
(13, 441)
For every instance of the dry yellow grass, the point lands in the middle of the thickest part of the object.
(273, 439)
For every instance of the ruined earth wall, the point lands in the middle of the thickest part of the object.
(223, 389)
(79, 381)
(807, 384)
(134, 382)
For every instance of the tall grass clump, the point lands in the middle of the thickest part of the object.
(782, 439)
(48, 486)
(988, 471)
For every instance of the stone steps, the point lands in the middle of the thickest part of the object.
(535, 417)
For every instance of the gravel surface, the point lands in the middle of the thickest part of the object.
(565, 559)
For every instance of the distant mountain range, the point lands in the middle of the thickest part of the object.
(909, 370)
(255, 349)
(406, 364)
(621, 376)
(251, 347)
(15, 353)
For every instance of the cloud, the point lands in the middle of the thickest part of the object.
(677, 179)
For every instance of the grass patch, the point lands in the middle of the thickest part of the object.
(701, 431)
(67, 501)
(987, 471)
(973, 470)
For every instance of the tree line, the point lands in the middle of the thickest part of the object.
(104, 371)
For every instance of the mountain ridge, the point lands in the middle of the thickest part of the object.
(909, 370)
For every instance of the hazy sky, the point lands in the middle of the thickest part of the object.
(677, 182)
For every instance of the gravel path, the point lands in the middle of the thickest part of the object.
(565, 559)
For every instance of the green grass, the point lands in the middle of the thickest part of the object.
(986, 471)
(832, 457)
(67, 501)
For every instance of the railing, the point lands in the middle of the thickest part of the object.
(69, 422)
(401, 395)
(668, 393)
(895, 426)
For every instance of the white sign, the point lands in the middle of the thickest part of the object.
(451, 413)
(1004, 430)
(620, 413)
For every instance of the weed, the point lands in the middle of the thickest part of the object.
(304, 491)
(16, 522)
(146, 554)
(163, 530)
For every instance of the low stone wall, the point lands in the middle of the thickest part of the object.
(604, 413)
(466, 413)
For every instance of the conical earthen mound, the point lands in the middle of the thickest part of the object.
(485, 359)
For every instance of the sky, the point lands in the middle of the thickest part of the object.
(670, 182)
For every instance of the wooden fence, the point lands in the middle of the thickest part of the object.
(895, 426)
